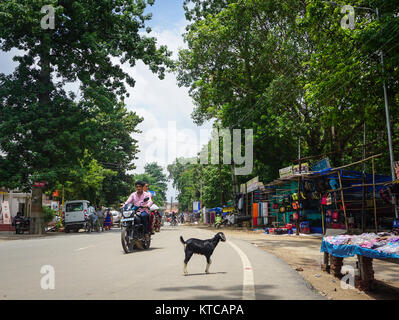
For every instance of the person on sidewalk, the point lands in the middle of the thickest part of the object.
(108, 220)
(101, 217)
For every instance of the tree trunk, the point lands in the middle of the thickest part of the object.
(36, 218)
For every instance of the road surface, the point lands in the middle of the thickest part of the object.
(94, 266)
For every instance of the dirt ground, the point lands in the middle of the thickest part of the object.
(303, 254)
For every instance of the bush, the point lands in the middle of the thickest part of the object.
(48, 214)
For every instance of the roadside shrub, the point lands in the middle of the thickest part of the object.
(48, 214)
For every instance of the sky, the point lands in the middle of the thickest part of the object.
(167, 130)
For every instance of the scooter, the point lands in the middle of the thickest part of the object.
(91, 224)
(218, 221)
(22, 224)
(157, 221)
(173, 221)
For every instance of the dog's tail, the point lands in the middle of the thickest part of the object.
(182, 241)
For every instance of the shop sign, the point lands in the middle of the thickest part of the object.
(252, 184)
(286, 172)
(321, 165)
(39, 184)
(5, 209)
(304, 168)
(242, 188)
(196, 206)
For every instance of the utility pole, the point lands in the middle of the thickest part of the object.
(220, 177)
(364, 179)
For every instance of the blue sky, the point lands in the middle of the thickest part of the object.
(166, 13)
(168, 130)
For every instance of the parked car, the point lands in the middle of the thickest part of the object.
(74, 213)
(116, 217)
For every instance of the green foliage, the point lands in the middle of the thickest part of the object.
(48, 214)
(287, 70)
(44, 130)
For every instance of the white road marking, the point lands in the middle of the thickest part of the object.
(83, 248)
(248, 286)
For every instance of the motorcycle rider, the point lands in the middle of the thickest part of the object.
(137, 199)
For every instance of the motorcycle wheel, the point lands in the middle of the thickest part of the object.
(126, 245)
(146, 244)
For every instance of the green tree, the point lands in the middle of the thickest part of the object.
(36, 112)
(288, 70)
(44, 131)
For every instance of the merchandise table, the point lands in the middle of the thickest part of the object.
(335, 254)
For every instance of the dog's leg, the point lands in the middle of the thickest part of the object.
(208, 263)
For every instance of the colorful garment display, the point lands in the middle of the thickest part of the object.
(382, 242)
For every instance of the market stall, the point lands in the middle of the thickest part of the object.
(367, 246)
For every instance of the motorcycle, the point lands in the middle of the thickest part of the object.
(22, 224)
(218, 221)
(173, 221)
(91, 224)
(133, 232)
(157, 222)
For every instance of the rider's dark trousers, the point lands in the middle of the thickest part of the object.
(145, 218)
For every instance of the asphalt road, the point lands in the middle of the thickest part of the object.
(94, 266)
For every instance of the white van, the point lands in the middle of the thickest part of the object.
(74, 214)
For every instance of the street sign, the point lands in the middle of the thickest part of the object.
(153, 193)
(39, 184)
(196, 206)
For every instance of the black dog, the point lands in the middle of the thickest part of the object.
(204, 247)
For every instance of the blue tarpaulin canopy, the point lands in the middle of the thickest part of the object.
(344, 251)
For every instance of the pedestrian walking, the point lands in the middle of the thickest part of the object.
(108, 220)
(101, 217)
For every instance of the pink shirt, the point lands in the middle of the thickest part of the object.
(138, 200)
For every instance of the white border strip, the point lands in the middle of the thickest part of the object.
(248, 286)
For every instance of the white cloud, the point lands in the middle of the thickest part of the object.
(163, 105)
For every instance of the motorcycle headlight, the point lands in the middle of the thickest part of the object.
(127, 213)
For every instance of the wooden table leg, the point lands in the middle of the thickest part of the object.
(326, 266)
(336, 265)
(366, 273)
